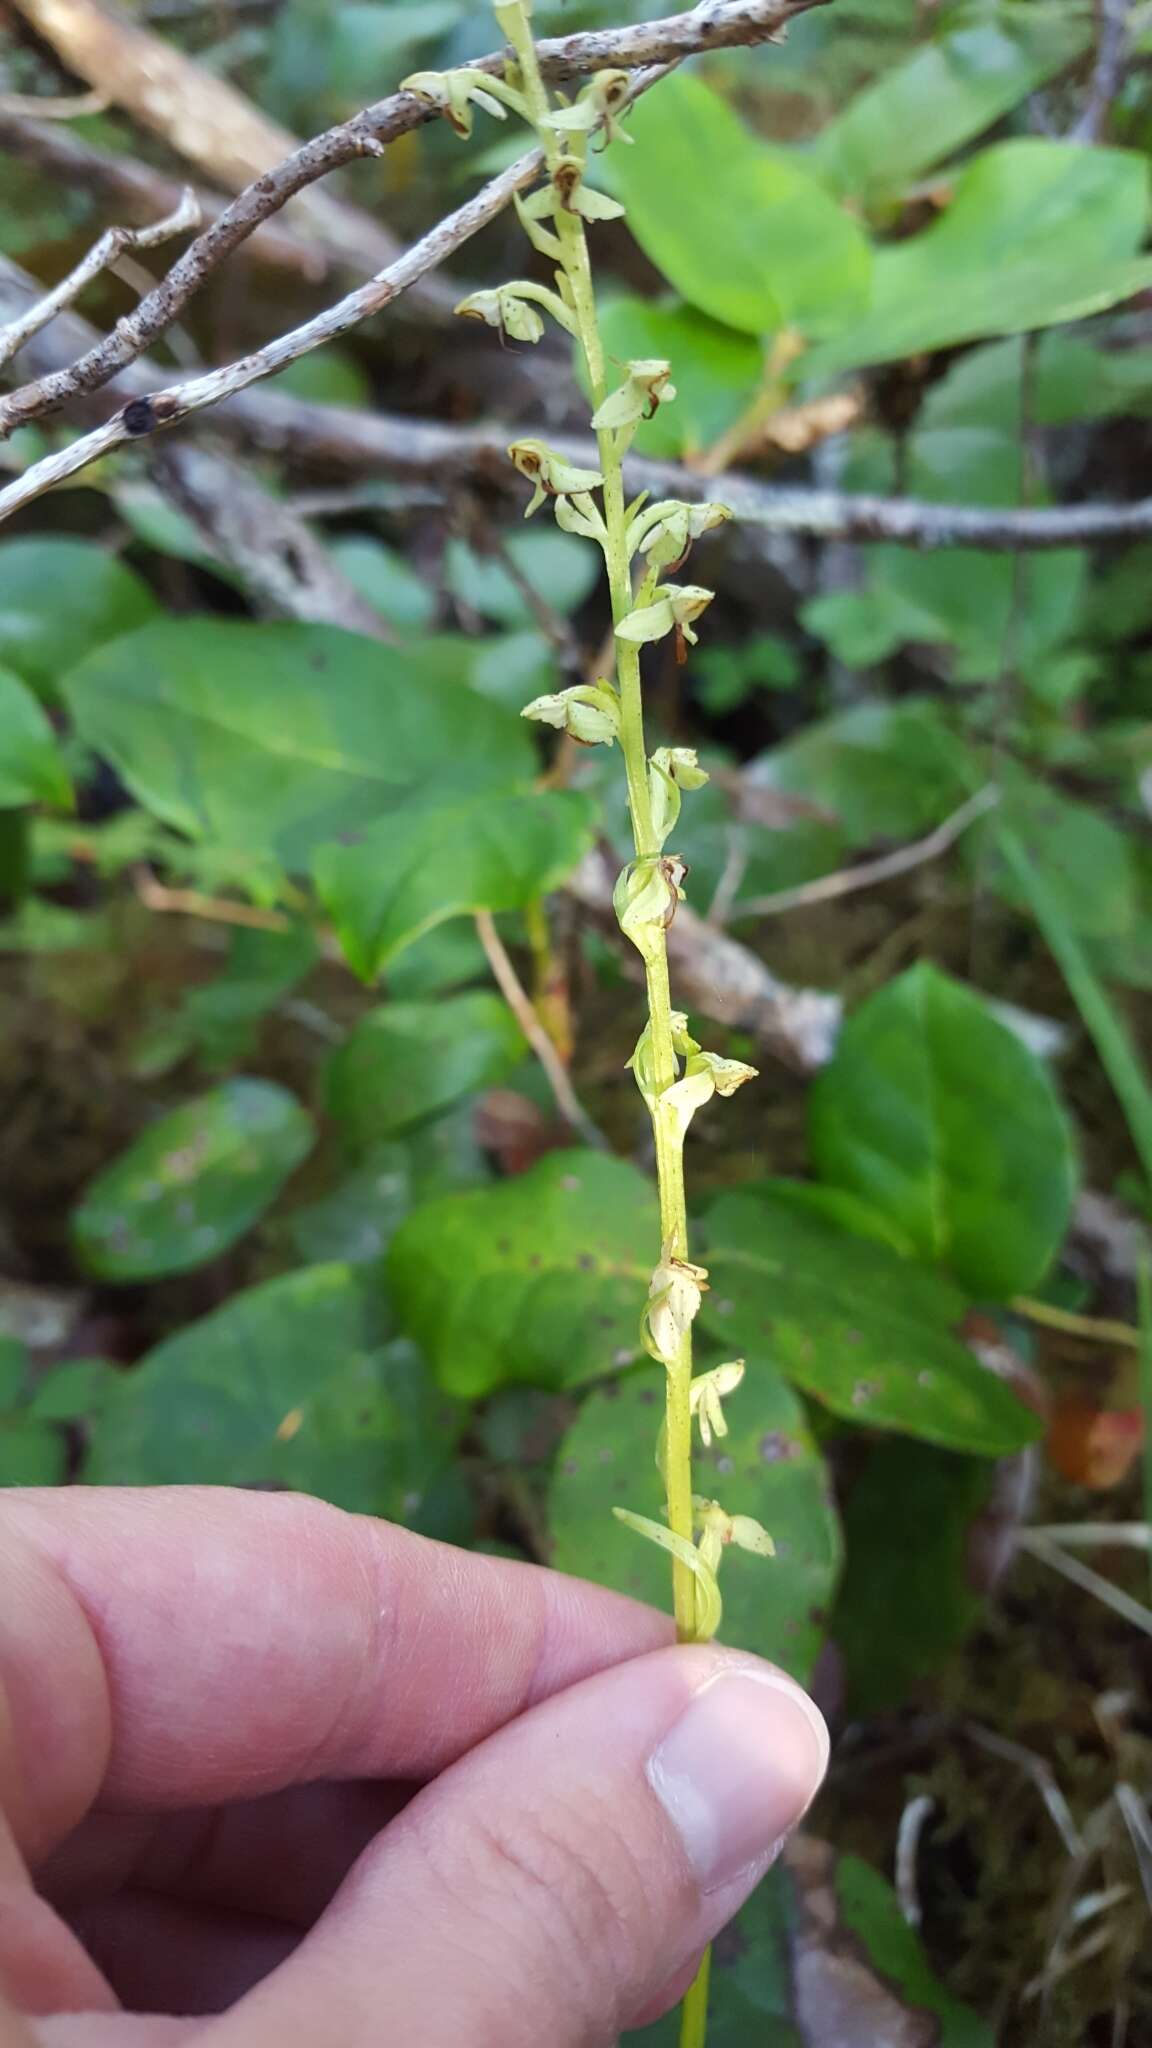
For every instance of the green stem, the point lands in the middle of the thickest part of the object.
(570, 234)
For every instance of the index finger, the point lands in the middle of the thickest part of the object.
(182, 1646)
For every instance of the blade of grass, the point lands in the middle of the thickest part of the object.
(1102, 1021)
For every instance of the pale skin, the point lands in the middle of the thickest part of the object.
(272, 1776)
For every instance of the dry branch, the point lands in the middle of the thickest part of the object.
(139, 191)
(113, 243)
(715, 24)
(774, 518)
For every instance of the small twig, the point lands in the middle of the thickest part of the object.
(156, 895)
(67, 107)
(519, 1002)
(1039, 1774)
(1082, 1575)
(731, 876)
(912, 1824)
(1093, 1535)
(1097, 1329)
(1107, 72)
(827, 888)
(1139, 1832)
(716, 24)
(114, 242)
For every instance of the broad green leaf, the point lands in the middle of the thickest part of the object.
(558, 567)
(945, 94)
(31, 770)
(358, 1218)
(219, 1021)
(908, 1598)
(384, 578)
(269, 739)
(325, 376)
(869, 1334)
(443, 854)
(541, 1278)
(717, 371)
(934, 1113)
(742, 231)
(767, 1466)
(1037, 232)
(59, 599)
(750, 2002)
(406, 1062)
(297, 1383)
(883, 770)
(31, 1453)
(1103, 1021)
(15, 1372)
(192, 1183)
(73, 1390)
(823, 1938)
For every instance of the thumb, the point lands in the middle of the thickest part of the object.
(553, 1883)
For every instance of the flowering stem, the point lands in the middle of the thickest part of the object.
(574, 259)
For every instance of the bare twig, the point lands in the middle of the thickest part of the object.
(1091, 1535)
(1094, 1329)
(1107, 72)
(827, 888)
(49, 107)
(1082, 1575)
(714, 24)
(521, 1006)
(102, 255)
(163, 408)
(155, 895)
(912, 1824)
(140, 192)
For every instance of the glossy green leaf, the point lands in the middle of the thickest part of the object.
(59, 599)
(767, 1466)
(192, 1183)
(717, 370)
(384, 578)
(541, 1278)
(406, 1062)
(742, 231)
(820, 1945)
(269, 739)
(750, 2002)
(938, 1116)
(297, 1383)
(882, 770)
(31, 1453)
(15, 1372)
(908, 1598)
(219, 1021)
(946, 93)
(871, 1335)
(72, 1391)
(356, 1220)
(1037, 232)
(556, 566)
(441, 855)
(31, 769)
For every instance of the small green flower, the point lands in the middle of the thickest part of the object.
(645, 899)
(552, 476)
(670, 770)
(718, 1530)
(647, 385)
(675, 1293)
(512, 309)
(457, 93)
(589, 711)
(707, 1394)
(673, 609)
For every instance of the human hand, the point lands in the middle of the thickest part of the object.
(300, 1778)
